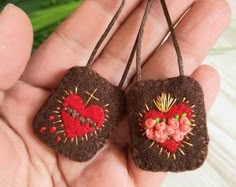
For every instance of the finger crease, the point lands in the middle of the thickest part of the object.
(76, 46)
(107, 11)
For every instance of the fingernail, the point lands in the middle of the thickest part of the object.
(7, 8)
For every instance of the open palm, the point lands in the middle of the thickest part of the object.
(24, 160)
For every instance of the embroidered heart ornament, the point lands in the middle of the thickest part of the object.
(79, 116)
(167, 124)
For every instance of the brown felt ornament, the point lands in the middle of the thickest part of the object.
(167, 117)
(81, 112)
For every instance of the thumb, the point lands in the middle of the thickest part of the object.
(16, 38)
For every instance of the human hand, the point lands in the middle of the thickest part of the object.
(24, 160)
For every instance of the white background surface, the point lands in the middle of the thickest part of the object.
(220, 168)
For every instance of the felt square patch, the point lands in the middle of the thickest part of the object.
(80, 114)
(168, 124)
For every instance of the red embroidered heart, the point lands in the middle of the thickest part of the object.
(80, 119)
(168, 128)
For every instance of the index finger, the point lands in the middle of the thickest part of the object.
(72, 43)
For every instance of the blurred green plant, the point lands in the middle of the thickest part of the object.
(45, 15)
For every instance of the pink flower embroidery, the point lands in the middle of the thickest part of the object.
(150, 123)
(161, 126)
(169, 130)
(185, 129)
(175, 129)
(160, 136)
(174, 123)
(178, 136)
(150, 133)
(184, 121)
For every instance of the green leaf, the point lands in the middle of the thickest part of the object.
(46, 17)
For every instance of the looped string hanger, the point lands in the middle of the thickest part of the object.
(174, 39)
(137, 42)
(103, 37)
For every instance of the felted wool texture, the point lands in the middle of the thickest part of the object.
(150, 159)
(50, 124)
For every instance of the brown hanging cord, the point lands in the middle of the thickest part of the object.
(108, 29)
(138, 42)
(127, 68)
(140, 39)
(175, 41)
